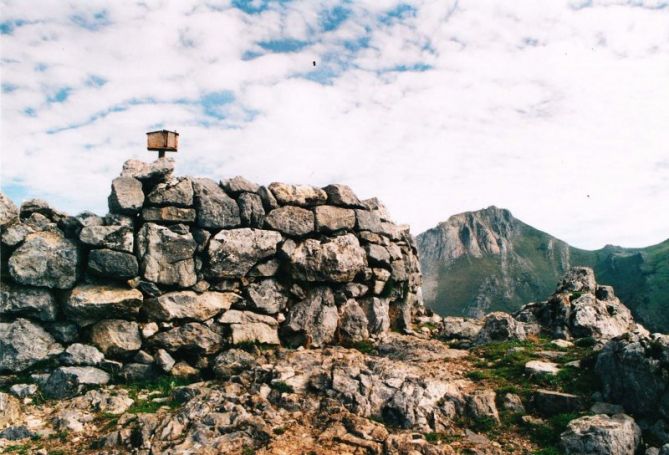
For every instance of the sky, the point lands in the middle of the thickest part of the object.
(557, 110)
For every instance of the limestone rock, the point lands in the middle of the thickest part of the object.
(20, 391)
(232, 362)
(456, 328)
(14, 234)
(176, 193)
(10, 409)
(45, 259)
(9, 213)
(500, 326)
(215, 209)
(39, 207)
(90, 302)
(116, 337)
(113, 264)
(191, 337)
(168, 215)
(67, 382)
(189, 305)
(232, 253)
(541, 367)
(119, 238)
(481, 404)
(342, 196)
(312, 321)
(267, 296)
(239, 185)
(301, 195)
(23, 344)
(246, 326)
(337, 260)
(352, 323)
(377, 312)
(513, 403)
(291, 220)
(81, 354)
(126, 196)
(164, 360)
(601, 435)
(330, 218)
(36, 303)
(578, 279)
(251, 210)
(157, 171)
(550, 403)
(165, 256)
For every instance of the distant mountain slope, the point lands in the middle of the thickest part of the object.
(477, 262)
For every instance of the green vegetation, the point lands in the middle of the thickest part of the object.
(162, 387)
(364, 346)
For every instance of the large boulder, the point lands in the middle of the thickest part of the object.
(189, 305)
(500, 326)
(23, 344)
(601, 435)
(90, 302)
(119, 238)
(166, 257)
(126, 196)
(267, 296)
(9, 213)
(215, 209)
(45, 259)
(67, 382)
(250, 327)
(232, 253)
(313, 320)
(177, 193)
(116, 337)
(36, 303)
(291, 220)
(112, 264)
(301, 195)
(338, 259)
(191, 338)
(157, 171)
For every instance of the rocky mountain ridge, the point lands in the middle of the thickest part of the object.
(487, 260)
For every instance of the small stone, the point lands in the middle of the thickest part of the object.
(157, 171)
(9, 213)
(14, 234)
(24, 343)
(601, 435)
(177, 193)
(246, 326)
(512, 403)
(184, 370)
(169, 215)
(149, 329)
(81, 354)
(118, 238)
(251, 210)
(352, 323)
(343, 196)
(191, 337)
(10, 410)
(267, 296)
(232, 362)
(22, 391)
(164, 360)
(541, 367)
(126, 197)
(138, 372)
(189, 305)
(564, 344)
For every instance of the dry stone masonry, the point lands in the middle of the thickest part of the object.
(181, 269)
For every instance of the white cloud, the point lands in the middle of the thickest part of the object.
(556, 110)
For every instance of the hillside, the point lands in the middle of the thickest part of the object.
(487, 260)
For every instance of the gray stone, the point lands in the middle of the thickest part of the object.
(215, 209)
(36, 303)
(269, 202)
(343, 196)
(312, 321)
(119, 238)
(164, 360)
(549, 403)
(540, 367)
(481, 405)
(38, 206)
(331, 219)
(16, 433)
(513, 403)
(578, 279)
(377, 312)
(63, 332)
(9, 213)
(23, 344)
(291, 220)
(10, 410)
(169, 215)
(126, 196)
(81, 354)
(267, 296)
(251, 210)
(301, 195)
(45, 259)
(232, 253)
(249, 327)
(165, 256)
(112, 264)
(90, 302)
(456, 328)
(189, 305)
(143, 357)
(157, 171)
(238, 185)
(377, 206)
(14, 234)
(606, 408)
(336, 260)
(191, 337)
(266, 269)
(66, 382)
(601, 435)
(499, 326)
(22, 391)
(369, 221)
(378, 255)
(177, 193)
(352, 323)
(116, 337)
(233, 362)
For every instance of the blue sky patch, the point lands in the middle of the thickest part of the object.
(8, 88)
(212, 103)
(401, 11)
(91, 22)
(283, 45)
(333, 18)
(8, 27)
(250, 55)
(16, 192)
(251, 6)
(61, 95)
(95, 81)
(416, 67)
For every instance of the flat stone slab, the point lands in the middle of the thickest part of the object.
(541, 367)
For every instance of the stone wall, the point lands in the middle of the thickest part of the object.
(182, 268)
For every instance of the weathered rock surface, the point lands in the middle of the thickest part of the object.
(300, 195)
(191, 337)
(126, 196)
(67, 382)
(23, 344)
(113, 264)
(251, 210)
(166, 257)
(246, 326)
(177, 193)
(89, 302)
(156, 171)
(168, 215)
(601, 435)
(36, 303)
(232, 253)
(45, 259)
(189, 305)
(343, 196)
(312, 321)
(10, 409)
(331, 219)
(116, 337)
(9, 213)
(290, 220)
(81, 355)
(337, 260)
(215, 209)
(500, 326)
(119, 238)
(267, 296)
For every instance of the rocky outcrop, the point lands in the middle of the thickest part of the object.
(602, 435)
